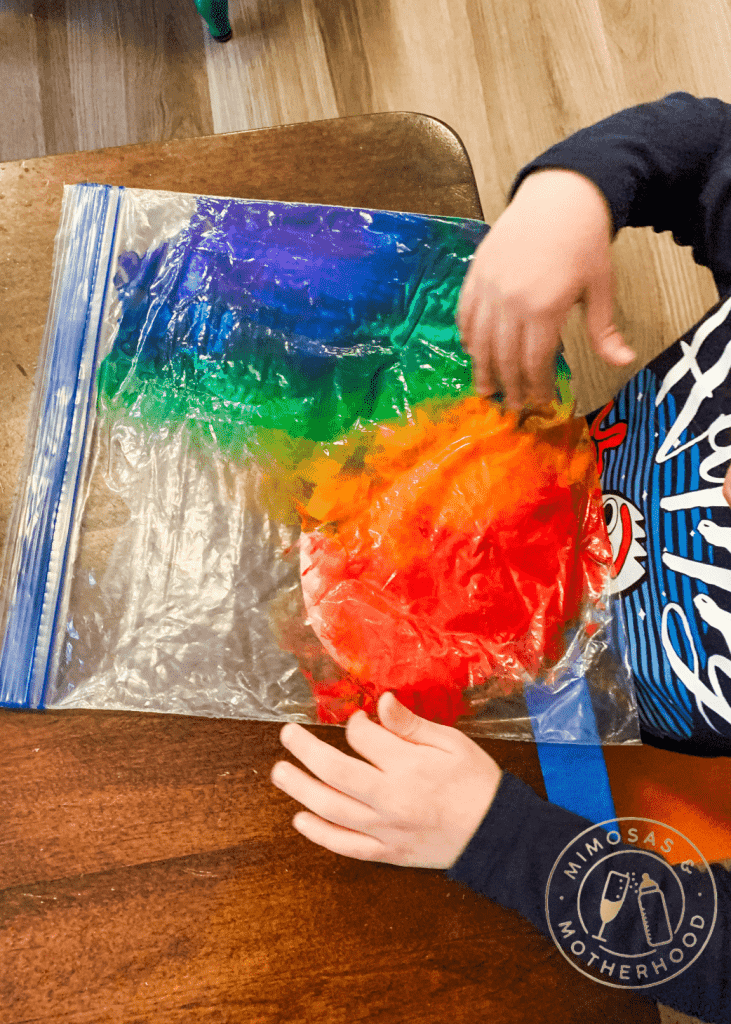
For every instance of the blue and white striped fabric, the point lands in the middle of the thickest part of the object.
(664, 446)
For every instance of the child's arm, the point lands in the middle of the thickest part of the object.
(665, 164)
(509, 860)
(428, 796)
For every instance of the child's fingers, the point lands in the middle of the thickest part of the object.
(407, 725)
(372, 741)
(506, 342)
(322, 799)
(345, 774)
(384, 745)
(465, 313)
(539, 360)
(613, 348)
(337, 839)
(474, 325)
(598, 302)
(484, 370)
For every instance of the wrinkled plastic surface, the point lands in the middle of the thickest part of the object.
(454, 558)
(286, 496)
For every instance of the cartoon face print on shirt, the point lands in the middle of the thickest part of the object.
(625, 526)
(663, 445)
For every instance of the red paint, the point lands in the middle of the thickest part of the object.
(468, 548)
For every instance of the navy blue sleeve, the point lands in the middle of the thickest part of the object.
(665, 165)
(509, 860)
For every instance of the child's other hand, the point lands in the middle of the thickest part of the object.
(416, 804)
(547, 251)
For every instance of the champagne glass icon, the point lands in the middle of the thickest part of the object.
(615, 890)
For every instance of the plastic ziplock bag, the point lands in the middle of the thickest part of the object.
(259, 484)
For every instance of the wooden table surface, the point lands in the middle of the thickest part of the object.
(149, 873)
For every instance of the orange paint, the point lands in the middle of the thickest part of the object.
(449, 552)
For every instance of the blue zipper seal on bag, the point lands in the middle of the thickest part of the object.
(42, 533)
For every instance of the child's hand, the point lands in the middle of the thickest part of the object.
(417, 804)
(547, 251)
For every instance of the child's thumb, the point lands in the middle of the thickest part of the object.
(605, 337)
(398, 719)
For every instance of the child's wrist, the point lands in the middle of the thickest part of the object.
(563, 185)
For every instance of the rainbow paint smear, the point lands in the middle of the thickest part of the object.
(446, 550)
(292, 318)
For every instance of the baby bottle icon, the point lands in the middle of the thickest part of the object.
(654, 911)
